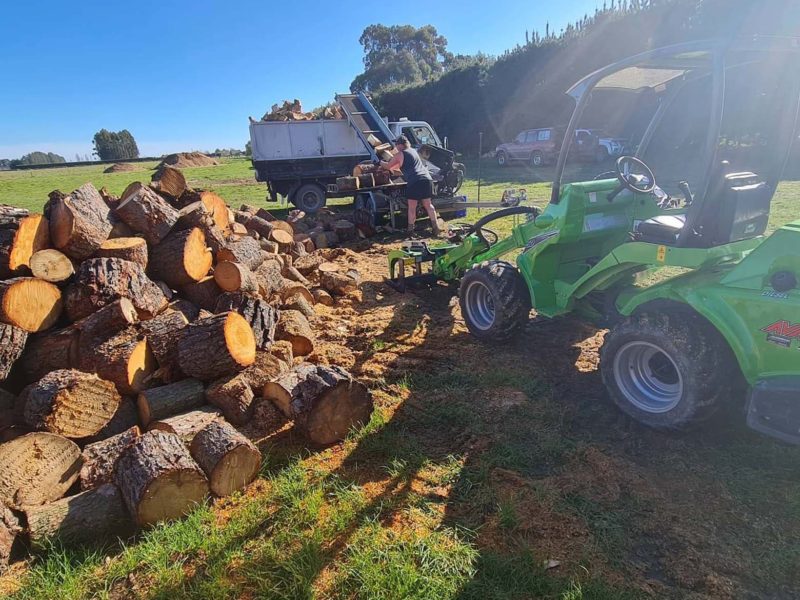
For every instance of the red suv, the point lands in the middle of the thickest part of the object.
(540, 146)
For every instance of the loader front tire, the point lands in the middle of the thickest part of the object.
(494, 300)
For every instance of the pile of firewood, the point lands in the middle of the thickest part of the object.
(136, 334)
(293, 111)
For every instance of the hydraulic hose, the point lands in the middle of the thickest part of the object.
(500, 214)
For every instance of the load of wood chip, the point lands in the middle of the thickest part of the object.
(137, 334)
(293, 111)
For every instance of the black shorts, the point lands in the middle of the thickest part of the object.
(419, 190)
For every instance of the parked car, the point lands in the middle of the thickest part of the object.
(538, 147)
(613, 146)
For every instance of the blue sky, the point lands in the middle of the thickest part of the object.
(184, 75)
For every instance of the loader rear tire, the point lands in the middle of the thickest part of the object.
(494, 300)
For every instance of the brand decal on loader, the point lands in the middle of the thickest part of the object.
(782, 333)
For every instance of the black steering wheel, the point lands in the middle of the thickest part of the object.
(633, 175)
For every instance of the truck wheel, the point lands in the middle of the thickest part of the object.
(309, 197)
(494, 300)
(663, 369)
(537, 159)
(502, 159)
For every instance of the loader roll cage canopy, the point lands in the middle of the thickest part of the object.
(665, 73)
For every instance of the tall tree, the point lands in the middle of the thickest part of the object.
(115, 145)
(400, 55)
(39, 158)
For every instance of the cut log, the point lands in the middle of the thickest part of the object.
(133, 249)
(234, 277)
(101, 281)
(181, 258)
(218, 209)
(290, 272)
(124, 418)
(158, 478)
(325, 239)
(9, 529)
(203, 293)
(229, 460)
(299, 303)
(294, 328)
(100, 458)
(242, 216)
(80, 222)
(69, 403)
(261, 317)
(265, 214)
(51, 265)
(308, 264)
(324, 402)
(238, 231)
(49, 351)
(338, 284)
(216, 346)
(269, 277)
(268, 246)
(328, 267)
(105, 323)
(322, 297)
(21, 235)
(124, 359)
(186, 308)
(30, 304)
(261, 226)
(168, 400)
(198, 215)
(169, 181)
(266, 367)
(187, 424)
(37, 468)
(245, 251)
(281, 237)
(345, 230)
(85, 518)
(163, 333)
(234, 397)
(12, 343)
(282, 350)
(147, 213)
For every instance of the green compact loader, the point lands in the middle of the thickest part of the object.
(700, 296)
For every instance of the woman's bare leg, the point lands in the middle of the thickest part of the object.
(412, 214)
(428, 206)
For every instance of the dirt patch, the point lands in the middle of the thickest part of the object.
(183, 160)
(122, 168)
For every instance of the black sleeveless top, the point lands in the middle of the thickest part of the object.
(413, 169)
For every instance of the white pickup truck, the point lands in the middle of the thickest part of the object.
(301, 159)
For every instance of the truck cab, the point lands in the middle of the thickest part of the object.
(418, 132)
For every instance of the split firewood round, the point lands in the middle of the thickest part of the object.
(281, 237)
(37, 468)
(21, 235)
(234, 397)
(186, 425)
(324, 402)
(261, 317)
(50, 351)
(216, 346)
(147, 213)
(308, 264)
(124, 359)
(229, 460)
(294, 328)
(234, 277)
(12, 343)
(100, 458)
(88, 517)
(101, 281)
(158, 478)
(218, 209)
(338, 284)
(80, 222)
(181, 258)
(133, 249)
(203, 293)
(161, 402)
(70, 403)
(51, 265)
(245, 251)
(30, 304)
(322, 297)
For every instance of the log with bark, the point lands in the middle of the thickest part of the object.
(322, 297)
(158, 478)
(88, 517)
(30, 304)
(169, 181)
(269, 277)
(167, 400)
(294, 328)
(235, 277)
(345, 230)
(186, 425)
(9, 529)
(12, 344)
(261, 317)
(234, 397)
(186, 308)
(101, 281)
(339, 284)
(51, 265)
(144, 211)
(126, 416)
(181, 258)
(21, 235)
(261, 226)
(102, 325)
(70, 403)
(324, 402)
(229, 460)
(133, 249)
(163, 333)
(308, 264)
(37, 468)
(266, 367)
(80, 222)
(125, 359)
(203, 293)
(49, 351)
(100, 458)
(198, 215)
(300, 303)
(216, 346)
(245, 251)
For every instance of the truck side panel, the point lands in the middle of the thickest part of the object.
(284, 140)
